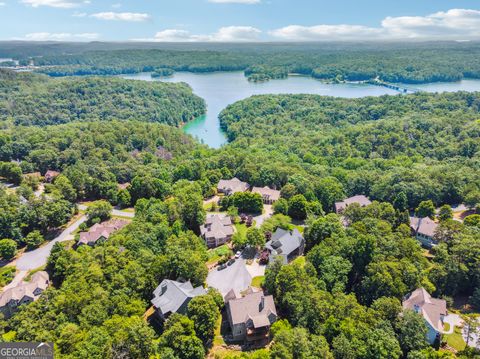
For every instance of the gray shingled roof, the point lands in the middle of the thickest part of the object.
(432, 309)
(360, 199)
(234, 185)
(250, 307)
(217, 227)
(424, 226)
(284, 242)
(100, 230)
(39, 280)
(171, 295)
(267, 193)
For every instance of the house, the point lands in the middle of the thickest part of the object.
(50, 176)
(217, 230)
(173, 297)
(123, 186)
(360, 199)
(433, 310)
(269, 195)
(100, 232)
(229, 187)
(23, 293)
(251, 316)
(424, 230)
(286, 244)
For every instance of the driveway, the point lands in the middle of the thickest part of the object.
(38, 257)
(234, 277)
(267, 213)
(454, 320)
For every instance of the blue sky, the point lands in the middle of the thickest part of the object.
(239, 20)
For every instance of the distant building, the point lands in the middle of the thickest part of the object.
(433, 310)
(50, 176)
(229, 187)
(424, 230)
(217, 230)
(269, 196)
(100, 232)
(360, 199)
(173, 297)
(286, 244)
(251, 316)
(23, 293)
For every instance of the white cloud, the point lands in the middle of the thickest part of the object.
(3, 4)
(65, 4)
(235, 1)
(79, 14)
(453, 24)
(63, 36)
(121, 16)
(224, 34)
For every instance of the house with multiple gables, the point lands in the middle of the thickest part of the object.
(362, 200)
(100, 232)
(173, 297)
(286, 244)
(251, 316)
(269, 196)
(234, 185)
(217, 230)
(433, 310)
(424, 230)
(24, 293)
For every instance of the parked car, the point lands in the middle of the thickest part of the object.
(221, 266)
(238, 254)
(230, 262)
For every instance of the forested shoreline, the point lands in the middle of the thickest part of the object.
(411, 64)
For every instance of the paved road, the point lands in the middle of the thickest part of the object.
(115, 212)
(267, 213)
(234, 277)
(38, 257)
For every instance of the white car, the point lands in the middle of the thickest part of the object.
(238, 254)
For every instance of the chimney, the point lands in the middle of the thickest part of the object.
(163, 288)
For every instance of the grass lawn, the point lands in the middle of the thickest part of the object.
(455, 340)
(217, 253)
(300, 228)
(6, 275)
(241, 228)
(258, 281)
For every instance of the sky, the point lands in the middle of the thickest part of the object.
(239, 20)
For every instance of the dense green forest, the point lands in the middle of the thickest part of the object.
(379, 146)
(407, 63)
(343, 300)
(39, 100)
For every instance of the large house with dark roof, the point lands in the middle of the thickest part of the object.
(234, 185)
(269, 196)
(286, 244)
(23, 293)
(173, 297)
(433, 310)
(424, 230)
(361, 200)
(251, 316)
(217, 230)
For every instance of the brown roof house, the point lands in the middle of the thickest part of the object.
(286, 244)
(23, 293)
(362, 200)
(173, 297)
(217, 230)
(251, 316)
(234, 185)
(433, 310)
(424, 230)
(50, 176)
(100, 232)
(269, 196)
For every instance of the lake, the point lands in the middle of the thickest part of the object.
(220, 89)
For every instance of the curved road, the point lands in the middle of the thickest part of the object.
(38, 257)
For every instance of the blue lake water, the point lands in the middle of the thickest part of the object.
(221, 89)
